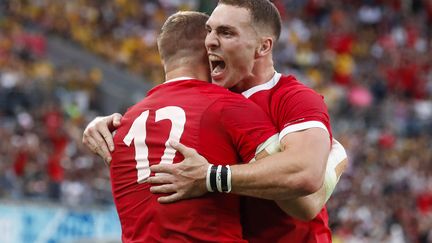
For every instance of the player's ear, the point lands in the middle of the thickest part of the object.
(265, 47)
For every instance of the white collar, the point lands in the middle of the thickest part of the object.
(265, 86)
(178, 79)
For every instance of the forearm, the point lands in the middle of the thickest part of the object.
(307, 207)
(304, 208)
(271, 178)
(295, 172)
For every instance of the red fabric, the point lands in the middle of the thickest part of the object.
(281, 8)
(387, 140)
(55, 170)
(424, 202)
(429, 10)
(387, 42)
(288, 102)
(53, 122)
(406, 79)
(217, 124)
(342, 79)
(35, 43)
(396, 5)
(412, 36)
(20, 163)
(312, 7)
(341, 43)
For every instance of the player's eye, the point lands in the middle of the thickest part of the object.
(226, 33)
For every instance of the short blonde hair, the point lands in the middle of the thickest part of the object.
(183, 33)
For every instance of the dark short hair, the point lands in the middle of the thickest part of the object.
(263, 12)
(183, 32)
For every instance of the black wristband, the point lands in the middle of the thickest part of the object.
(224, 179)
(213, 178)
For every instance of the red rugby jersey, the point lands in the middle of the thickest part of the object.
(292, 107)
(222, 126)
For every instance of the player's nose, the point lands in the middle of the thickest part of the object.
(211, 41)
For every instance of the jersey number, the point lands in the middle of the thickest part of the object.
(138, 133)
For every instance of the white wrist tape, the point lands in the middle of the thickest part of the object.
(208, 185)
(219, 178)
(336, 156)
(229, 179)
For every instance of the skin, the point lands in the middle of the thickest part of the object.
(98, 136)
(295, 172)
(224, 40)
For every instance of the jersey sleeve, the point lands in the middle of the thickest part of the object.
(299, 109)
(247, 124)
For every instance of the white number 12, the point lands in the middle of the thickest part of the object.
(138, 133)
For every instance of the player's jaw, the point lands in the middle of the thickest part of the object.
(225, 71)
(217, 67)
(221, 71)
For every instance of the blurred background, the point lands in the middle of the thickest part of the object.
(64, 62)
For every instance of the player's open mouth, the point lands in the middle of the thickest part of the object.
(217, 65)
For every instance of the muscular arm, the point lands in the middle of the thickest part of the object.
(307, 207)
(298, 170)
(281, 176)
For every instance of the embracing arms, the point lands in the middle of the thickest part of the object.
(293, 178)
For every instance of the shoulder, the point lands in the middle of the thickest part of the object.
(289, 88)
(290, 84)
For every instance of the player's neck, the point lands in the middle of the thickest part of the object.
(262, 72)
(196, 72)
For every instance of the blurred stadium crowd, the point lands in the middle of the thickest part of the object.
(371, 59)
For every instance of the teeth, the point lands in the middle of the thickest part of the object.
(214, 58)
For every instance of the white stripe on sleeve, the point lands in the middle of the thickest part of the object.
(301, 126)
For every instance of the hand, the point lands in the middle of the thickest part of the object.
(183, 180)
(98, 135)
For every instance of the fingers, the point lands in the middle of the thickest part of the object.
(110, 124)
(114, 121)
(99, 148)
(106, 135)
(96, 143)
(160, 179)
(165, 188)
(163, 168)
(186, 151)
(98, 138)
(170, 198)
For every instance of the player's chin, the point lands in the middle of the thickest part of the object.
(219, 82)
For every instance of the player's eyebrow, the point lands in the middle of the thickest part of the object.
(221, 27)
(225, 28)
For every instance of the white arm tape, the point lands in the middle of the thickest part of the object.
(271, 146)
(336, 156)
